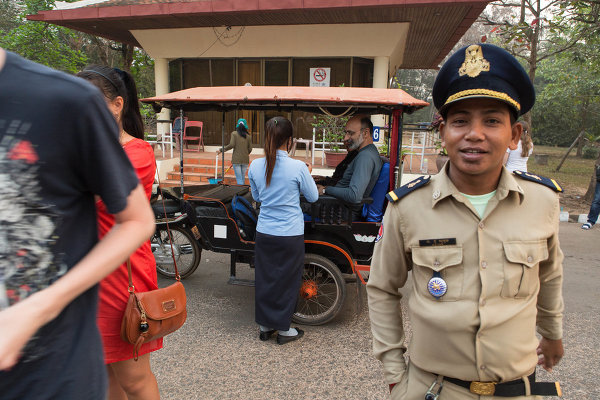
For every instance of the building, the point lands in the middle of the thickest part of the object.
(274, 42)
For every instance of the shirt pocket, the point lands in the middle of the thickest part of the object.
(447, 260)
(521, 266)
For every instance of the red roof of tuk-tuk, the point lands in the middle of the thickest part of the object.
(285, 98)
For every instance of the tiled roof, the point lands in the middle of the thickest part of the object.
(427, 44)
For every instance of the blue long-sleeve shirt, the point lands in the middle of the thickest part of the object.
(280, 212)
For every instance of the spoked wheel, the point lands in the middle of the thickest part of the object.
(322, 292)
(185, 248)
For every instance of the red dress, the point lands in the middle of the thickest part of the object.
(113, 288)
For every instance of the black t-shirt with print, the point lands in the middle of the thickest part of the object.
(58, 148)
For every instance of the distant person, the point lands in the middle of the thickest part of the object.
(595, 207)
(241, 143)
(516, 160)
(361, 174)
(127, 378)
(277, 181)
(59, 147)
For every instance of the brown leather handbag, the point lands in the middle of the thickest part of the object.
(154, 314)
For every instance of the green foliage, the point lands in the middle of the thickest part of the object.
(568, 99)
(331, 129)
(46, 44)
(590, 152)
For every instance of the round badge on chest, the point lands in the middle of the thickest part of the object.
(437, 286)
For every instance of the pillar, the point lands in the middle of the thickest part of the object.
(380, 80)
(161, 79)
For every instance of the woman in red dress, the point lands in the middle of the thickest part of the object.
(128, 379)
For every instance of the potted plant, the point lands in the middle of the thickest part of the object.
(332, 132)
(442, 154)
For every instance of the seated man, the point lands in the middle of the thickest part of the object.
(362, 172)
(339, 171)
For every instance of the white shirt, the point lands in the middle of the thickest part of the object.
(515, 162)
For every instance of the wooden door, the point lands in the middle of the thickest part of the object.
(249, 72)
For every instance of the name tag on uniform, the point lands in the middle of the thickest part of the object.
(437, 242)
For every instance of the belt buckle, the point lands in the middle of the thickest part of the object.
(483, 388)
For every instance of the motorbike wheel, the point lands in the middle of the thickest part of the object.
(322, 292)
(185, 248)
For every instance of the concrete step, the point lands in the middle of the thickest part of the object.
(176, 183)
(196, 177)
(187, 168)
(201, 161)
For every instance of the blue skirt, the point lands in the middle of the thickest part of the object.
(279, 262)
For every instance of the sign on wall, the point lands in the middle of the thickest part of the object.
(320, 76)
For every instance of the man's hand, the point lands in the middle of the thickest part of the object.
(18, 324)
(218, 151)
(321, 189)
(550, 352)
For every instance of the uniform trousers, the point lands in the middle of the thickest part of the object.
(416, 382)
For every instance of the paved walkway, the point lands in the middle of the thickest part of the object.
(217, 354)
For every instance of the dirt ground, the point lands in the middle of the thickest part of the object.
(571, 200)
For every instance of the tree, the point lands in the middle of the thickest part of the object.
(568, 100)
(46, 44)
(534, 31)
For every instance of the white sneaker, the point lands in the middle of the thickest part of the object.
(586, 226)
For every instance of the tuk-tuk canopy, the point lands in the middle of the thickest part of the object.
(321, 100)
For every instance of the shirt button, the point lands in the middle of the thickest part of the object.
(483, 302)
(482, 367)
(436, 263)
(479, 335)
(483, 264)
(529, 259)
(481, 225)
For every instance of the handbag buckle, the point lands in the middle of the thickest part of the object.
(483, 388)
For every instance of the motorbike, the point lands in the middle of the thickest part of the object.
(176, 236)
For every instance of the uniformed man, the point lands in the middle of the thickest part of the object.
(482, 245)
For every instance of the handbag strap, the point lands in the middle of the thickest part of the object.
(131, 288)
(162, 198)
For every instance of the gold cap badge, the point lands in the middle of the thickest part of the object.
(474, 62)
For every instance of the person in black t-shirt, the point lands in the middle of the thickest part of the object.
(58, 149)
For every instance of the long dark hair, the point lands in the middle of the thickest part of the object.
(241, 130)
(114, 82)
(278, 131)
(526, 142)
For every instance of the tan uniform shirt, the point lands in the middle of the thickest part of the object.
(503, 275)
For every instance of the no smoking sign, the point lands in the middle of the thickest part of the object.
(320, 76)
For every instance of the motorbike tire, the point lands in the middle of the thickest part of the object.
(322, 293)
(186, 249)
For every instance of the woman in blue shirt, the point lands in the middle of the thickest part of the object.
(277, 182)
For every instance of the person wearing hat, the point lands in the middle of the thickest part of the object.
(241, 143)
(482, 245)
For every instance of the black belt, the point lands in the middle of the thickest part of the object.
(509, 389)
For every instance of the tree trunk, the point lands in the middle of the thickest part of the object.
(583, 118)
(127, 52)
(568, 151)
(589, 194)
(580, 146)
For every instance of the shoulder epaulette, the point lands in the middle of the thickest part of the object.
(402, 191)
(551, 183)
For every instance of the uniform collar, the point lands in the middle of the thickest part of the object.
(281, 153)
(442, 186)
